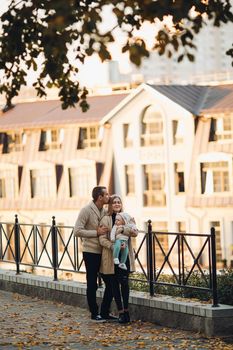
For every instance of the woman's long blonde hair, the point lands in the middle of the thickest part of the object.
(111, 199)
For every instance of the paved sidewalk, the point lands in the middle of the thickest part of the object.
(30, 323)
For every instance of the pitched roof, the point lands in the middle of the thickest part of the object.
(47, 113)
(198, 99)
(219, 99)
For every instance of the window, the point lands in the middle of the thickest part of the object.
(42, 146)
(88, 137)
(2, 188)
(154, 183)
(41, 183)
(214, 177)
(181, 226)
(224, 129)
(55, 139)
(216, 225)
(179, 178)
(129, 179)
(7, 184)
(12, 142)
(81, 181)
(178, 132)
(212, 135)
(152, 127)
(127, 135)
(221, 128)
(43, 232)
(160, 226)
(187, 256)
(51, 139)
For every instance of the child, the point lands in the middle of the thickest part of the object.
(123, 222)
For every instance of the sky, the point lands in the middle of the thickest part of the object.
(94, 72)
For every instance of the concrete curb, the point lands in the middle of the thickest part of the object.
(163, 310)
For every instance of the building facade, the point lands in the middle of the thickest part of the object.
(167, 150)
(173, 148)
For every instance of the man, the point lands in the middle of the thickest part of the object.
(87, 227)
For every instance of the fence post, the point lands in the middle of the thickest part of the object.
(214, 268)
(54, 248)
(150, 258)
(17, 244)
(180, 257)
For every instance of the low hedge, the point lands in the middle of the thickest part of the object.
(224, 286)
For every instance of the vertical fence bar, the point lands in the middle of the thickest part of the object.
(182, 259)
(150, 258)
(179, 257)
(214, 268)
(154, 257)
(1, 254)
(210, 261)
(75, 242)
(54, 248)
(35, 244)
(17, 244)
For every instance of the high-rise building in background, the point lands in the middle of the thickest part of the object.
(211, 62)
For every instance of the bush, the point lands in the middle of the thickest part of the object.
(224, 285)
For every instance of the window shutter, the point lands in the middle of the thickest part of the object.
(59, 172)
(20, 171)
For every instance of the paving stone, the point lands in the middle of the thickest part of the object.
(31, 323)
(164, 310)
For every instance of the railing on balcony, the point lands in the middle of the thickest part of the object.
(55, 247)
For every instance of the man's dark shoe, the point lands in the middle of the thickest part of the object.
(121, 318)
(109, 317)
(127, 317)
(97, 318)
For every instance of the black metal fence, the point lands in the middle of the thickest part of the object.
(47, 246)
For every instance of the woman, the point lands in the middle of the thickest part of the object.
(118, 278)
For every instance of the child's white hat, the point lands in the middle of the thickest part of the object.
(126, 217)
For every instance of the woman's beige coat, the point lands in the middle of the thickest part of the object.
(107, 264)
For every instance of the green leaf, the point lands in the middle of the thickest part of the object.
(190, 57)
(180, 58)
(45, 29)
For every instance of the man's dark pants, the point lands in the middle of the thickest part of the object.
(92, 263)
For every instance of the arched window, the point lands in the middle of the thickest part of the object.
(152, 127)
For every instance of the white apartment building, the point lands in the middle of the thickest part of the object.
(167, 150)
(173, 148)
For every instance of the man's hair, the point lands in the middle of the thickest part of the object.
(97, 191)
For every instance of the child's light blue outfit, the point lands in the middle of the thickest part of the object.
(117, 250)
(117, 236)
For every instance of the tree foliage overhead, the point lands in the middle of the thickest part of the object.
(43, 31)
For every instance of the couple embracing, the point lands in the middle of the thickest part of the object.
(104, 234)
